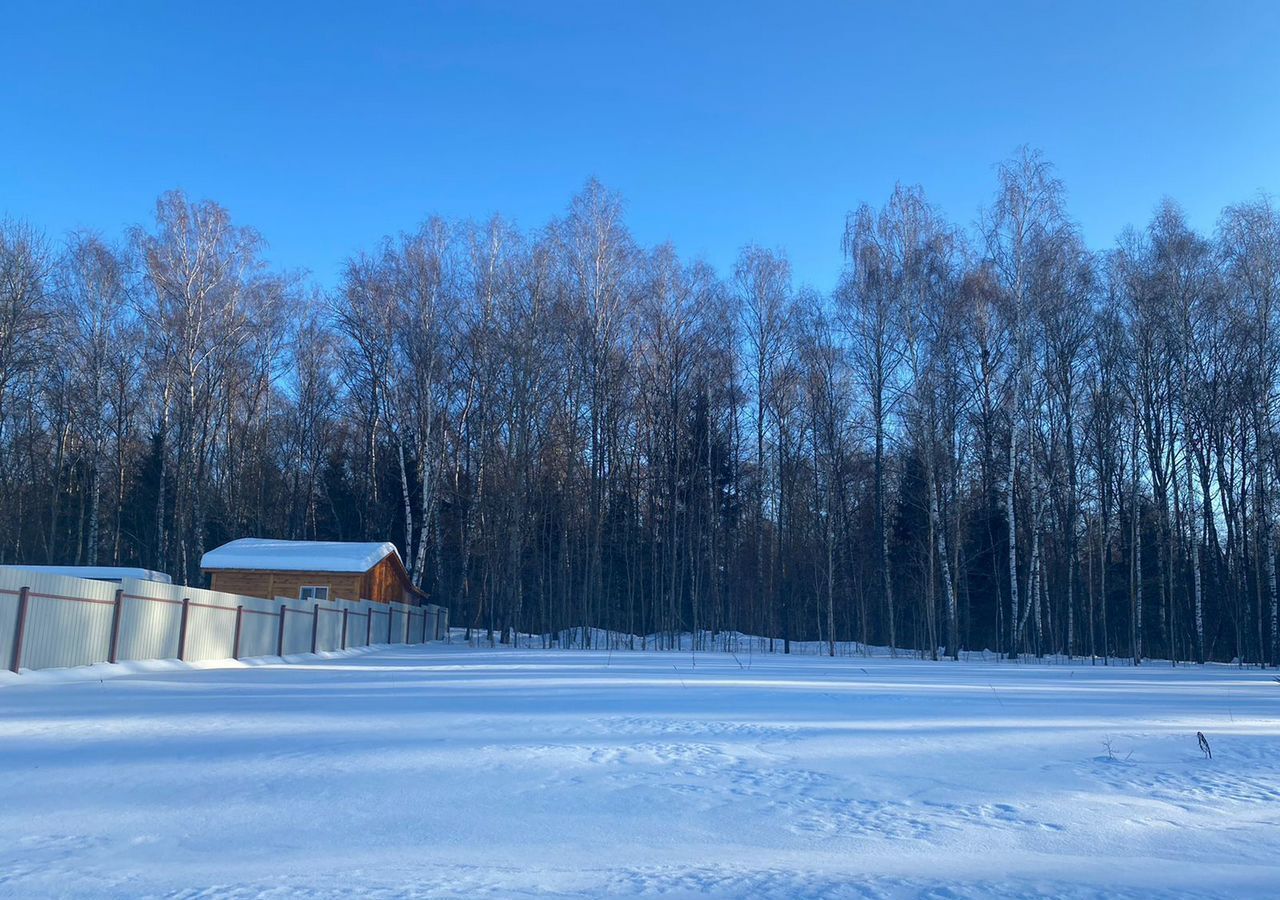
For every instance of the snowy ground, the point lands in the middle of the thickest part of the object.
(449, 771)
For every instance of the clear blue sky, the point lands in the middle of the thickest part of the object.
(327, 125)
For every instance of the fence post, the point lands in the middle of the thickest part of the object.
(344, 627)
(368, 626)
(284, 608)
(113, 651)
(182, 628)
(315, 626)
(235, 644)
(19, 630)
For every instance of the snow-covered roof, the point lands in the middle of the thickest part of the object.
(99, 573)
(298, 556)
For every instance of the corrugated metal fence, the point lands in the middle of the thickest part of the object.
(51, 620)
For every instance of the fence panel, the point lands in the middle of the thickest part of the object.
(211, 624)
(297, 629)
(402, 619)
(150, 619)
(68, 620)
(329, 628)
(259, 627)
(358, 631)
(354, 624)
(211, 631)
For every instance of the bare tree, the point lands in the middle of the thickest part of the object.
(1026, 219)
(867, 298)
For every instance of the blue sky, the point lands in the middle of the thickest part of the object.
(326, 126)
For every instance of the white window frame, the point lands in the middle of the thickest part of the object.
(314, 588)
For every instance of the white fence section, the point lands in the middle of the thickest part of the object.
(49, 620)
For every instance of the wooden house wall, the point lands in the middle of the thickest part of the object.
(385, 583)
(257, 583)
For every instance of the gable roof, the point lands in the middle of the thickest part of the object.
(299, 556)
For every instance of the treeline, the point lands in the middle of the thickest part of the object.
(990, 437)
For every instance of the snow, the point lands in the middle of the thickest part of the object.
(99, 573)
(298, 556)
(446, 770)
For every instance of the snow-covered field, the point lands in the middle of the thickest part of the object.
(434, 771)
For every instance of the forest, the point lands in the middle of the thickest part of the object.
(986, 435)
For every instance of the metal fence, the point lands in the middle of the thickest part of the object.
(48, 621)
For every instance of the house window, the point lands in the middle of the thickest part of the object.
(313, 592)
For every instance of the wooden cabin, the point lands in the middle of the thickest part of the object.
(320, 570)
